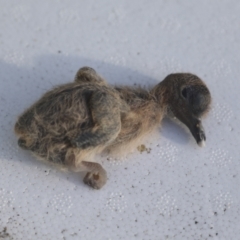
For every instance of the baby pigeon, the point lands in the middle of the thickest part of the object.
(71, 123)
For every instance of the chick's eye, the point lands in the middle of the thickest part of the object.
(184, 93)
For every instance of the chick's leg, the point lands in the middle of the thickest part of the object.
(96, 176)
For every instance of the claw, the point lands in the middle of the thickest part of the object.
(95, 180)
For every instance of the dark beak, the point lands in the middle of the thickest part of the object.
(194, 124)
(198, 132)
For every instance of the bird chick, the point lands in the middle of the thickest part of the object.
(71, 123)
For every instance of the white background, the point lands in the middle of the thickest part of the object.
(178, 190)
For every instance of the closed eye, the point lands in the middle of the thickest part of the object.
(184, 93)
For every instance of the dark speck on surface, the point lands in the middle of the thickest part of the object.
(4, 234)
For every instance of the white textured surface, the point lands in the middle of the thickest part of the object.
(178, 190)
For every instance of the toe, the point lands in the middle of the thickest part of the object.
(94, 180)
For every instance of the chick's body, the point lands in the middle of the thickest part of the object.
(72, 122)
(63, 114)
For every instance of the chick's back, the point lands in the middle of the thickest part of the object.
(48, 126)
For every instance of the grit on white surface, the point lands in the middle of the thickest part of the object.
(178, 190)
